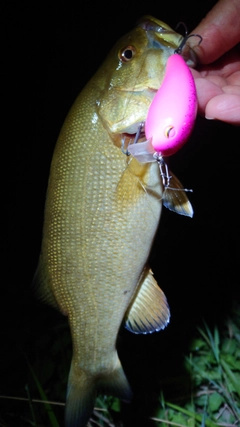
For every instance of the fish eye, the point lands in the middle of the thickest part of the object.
(127, 53)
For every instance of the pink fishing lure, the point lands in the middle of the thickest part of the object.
(172, 113)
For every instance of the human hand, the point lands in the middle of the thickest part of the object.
(217, 78)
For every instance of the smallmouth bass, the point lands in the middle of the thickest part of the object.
(101, 215)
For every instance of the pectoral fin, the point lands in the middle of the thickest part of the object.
(149, 311)
(175, 198)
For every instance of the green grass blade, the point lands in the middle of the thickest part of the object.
(193, 415)
(216, 341)
(34, 422)
(51, 415)
(231, 376)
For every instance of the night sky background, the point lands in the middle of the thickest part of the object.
(48, 53)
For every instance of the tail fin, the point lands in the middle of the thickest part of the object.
(82, 392)
(81, 395)
(116, 384)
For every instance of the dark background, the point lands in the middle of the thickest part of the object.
(48, 54)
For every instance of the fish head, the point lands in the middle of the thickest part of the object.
(132, 74)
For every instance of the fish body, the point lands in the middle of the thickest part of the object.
(101, 215)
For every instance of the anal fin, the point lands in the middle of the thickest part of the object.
(41, 288)
(149, 311)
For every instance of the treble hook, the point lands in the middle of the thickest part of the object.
(185, 38)
(183, 42)
(126, 152)
(138, 133)
(184, 25)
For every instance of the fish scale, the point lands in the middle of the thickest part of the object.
(101, 215)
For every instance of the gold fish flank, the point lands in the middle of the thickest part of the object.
(100, 221)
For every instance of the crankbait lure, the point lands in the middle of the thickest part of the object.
(172, 113)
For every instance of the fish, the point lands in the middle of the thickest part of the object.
(102, 212)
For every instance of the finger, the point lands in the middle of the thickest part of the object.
(233, 89)
(224, 107)
(206, 90)
(219, 30)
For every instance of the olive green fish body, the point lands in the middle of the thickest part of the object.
(101, 215)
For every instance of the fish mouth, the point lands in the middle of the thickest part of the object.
(131, 130)
(137, 134)
(164, 35)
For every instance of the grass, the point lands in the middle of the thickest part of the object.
(212, 381)
(214, 368)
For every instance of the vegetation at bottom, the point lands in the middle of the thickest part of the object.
(212, 378)
(214, 367)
